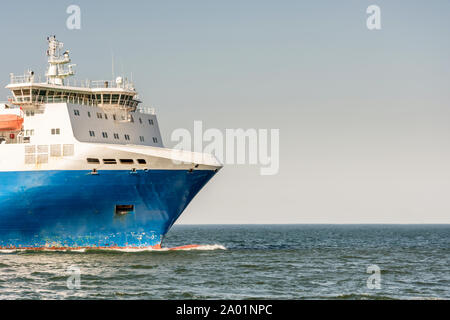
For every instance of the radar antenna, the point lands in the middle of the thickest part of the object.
(56, 72)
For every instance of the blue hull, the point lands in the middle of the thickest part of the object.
(75, 209)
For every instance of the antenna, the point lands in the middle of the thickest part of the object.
(112, 65)
(56, 71)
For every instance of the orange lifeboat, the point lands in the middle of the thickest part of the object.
(10, 122)
(11, 119)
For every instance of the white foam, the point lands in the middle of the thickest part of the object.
(8, 251)
(202, 247)
(205, 247)
(42, 250)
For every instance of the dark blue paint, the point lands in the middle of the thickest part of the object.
(77, 209)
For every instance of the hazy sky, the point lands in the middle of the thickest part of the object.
(364, 116)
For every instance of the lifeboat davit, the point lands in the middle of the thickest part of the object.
(10, 122)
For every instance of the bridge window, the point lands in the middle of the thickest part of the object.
(106, 98)
(115, 99)
(109, 161)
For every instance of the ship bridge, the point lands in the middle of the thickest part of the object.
(29, 92)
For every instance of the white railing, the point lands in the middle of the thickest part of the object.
(37, 100)
(96, 84)
(102, 84)
(27, 78)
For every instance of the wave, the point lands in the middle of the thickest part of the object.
(360, 296)
(201, 247)
(11, 251)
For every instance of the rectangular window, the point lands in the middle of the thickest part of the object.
(56, 131)
(140, 120)
(99, 115)
(155, 140)
(106, 116)
(93, 160)
(141, 161)
(92, 133)
(116, 136)
(106, 98)
(150, 121)
(126, 161)
(109, 161)
(124, 209)
(115, 99)
(105, 135)
(141, 138)
(76, 112)
(127, 137)
(89, 114)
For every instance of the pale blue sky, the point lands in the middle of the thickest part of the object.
(364, 116)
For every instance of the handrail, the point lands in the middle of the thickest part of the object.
(37, 99)
(95, 84)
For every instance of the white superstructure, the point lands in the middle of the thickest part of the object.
(89, 125)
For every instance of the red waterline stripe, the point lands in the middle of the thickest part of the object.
(75, 248)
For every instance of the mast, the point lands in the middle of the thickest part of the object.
(56, 71)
